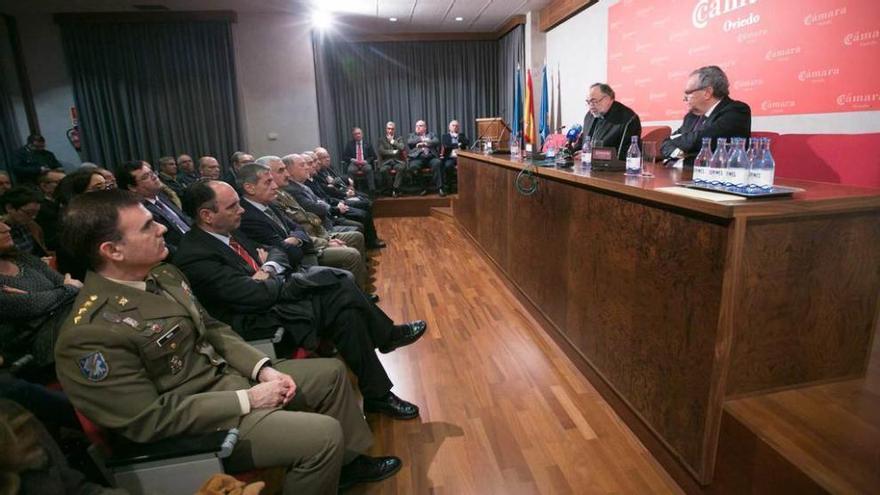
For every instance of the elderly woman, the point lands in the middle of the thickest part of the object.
(34, 301)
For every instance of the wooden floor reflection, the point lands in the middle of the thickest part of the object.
(504, 411)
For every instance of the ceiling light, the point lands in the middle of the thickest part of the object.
(321, 19)
(459, 19)
(392, 19)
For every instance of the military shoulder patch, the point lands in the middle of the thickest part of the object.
(94, 367)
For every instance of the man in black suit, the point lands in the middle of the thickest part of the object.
(712, 114)
(608, 122)
(138, 177)
(360, 157)
(297, 170)
(450, 142)
(238, 159)
(31, 159)
(242, 284)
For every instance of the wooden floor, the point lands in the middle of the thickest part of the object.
(503, 409)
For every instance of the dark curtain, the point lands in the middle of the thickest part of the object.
(511, 53)
(144, 90)
(10, 138)
(367, 84)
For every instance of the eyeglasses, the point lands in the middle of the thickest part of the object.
(595, 101)
(689, 92)
(147, 176)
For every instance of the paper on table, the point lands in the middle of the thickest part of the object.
(697, 194)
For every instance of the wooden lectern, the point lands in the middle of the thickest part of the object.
(494, 129)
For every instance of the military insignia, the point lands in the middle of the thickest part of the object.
(80, 311)
(111, 317)
(94, 367)
(130, 322)
(121, 300)
(76, 320)
(93, 298)
(176, 364)
(185, 287)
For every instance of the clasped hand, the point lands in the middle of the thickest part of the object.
(275, 389)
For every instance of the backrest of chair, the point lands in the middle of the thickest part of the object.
(848, 159)
(97, 435)
(656, 133)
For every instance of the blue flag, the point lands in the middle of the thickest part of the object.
(543, 119)
(517, 104)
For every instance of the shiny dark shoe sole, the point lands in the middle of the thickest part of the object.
(348, 484)
(368, 409)
(386, 350)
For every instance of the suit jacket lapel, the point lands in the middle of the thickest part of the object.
(181, 293)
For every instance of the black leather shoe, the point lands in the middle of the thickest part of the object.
(374, 298)
(368, 469)
(395, 193)
(424, 192)
(442, 193)
(408, 333)
(377, 245)
(392, 405)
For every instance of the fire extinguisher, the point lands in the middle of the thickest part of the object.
(73, 134)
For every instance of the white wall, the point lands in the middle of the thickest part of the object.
(50, 83)
(276, 78)
(580, 47)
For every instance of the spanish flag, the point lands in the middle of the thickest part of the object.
(528, 112)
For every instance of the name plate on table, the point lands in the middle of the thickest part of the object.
(605, 160)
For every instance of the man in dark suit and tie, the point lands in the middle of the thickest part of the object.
(138, 177)
(423, 150)
(608, 122)
(337, 187)
(711, 114)
(243, 285)
(451, 142)
(360, 157)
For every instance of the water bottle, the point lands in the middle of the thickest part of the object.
(701, 162)
(737, 172)
(587, 152)
(764, 169)
(753, 151)
(718, 162)
(634, 157)
(514, 147)
(487, 146)
(551, 151)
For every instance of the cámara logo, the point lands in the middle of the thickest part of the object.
(782, 53)
(861, 37)
(822, 18)
(858, 100)
(777, 105)
(817, 74)
(706, 10)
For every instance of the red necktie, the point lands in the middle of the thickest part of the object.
(241, 251)
(360, 152)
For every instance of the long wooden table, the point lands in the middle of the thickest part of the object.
(679, 304)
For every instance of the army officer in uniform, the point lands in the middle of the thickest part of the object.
(140, 356)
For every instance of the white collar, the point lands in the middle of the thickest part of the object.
(220, 237)
(259, 206)
(711, 109)
(134, 284)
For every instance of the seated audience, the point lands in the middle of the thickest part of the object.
(330, 252)
(139, 178)
(32, 159)
(712, 114)
(423, 150)
(335, 186)
(168, 175)
(391, 157)
(359, 156)
(238, 159)
(209, 168)
(450, 142)
(609, 123)
(47, 218)
(5, 182)
(142, 358)
(186, 173)
(34, 301)
(109, 178)
(21, 206)
(244, 284)
(359, 217)
(307, 198)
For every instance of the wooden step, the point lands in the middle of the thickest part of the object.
(409, 206)
(443, 213)
(829, 433)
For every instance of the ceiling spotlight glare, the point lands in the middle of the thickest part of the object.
(459, 19)
(392, 19)
(321, 20)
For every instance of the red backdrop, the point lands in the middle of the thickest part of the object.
(782, 56)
